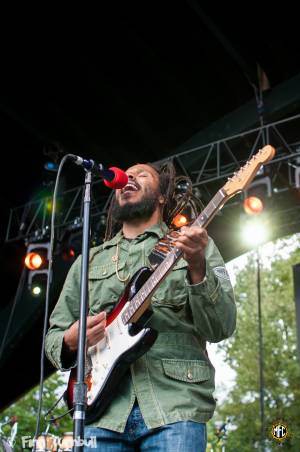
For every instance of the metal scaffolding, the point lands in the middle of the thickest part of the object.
(205, 165)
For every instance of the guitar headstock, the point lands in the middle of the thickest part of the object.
(240, 180)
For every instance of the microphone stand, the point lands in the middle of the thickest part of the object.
(80, 388)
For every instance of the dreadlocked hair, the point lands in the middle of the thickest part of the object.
(184, 197)
(174, 200)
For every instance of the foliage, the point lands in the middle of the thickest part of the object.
(26, 410)
(281, 366)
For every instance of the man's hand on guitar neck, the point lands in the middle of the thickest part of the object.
(95, 331)
(192, 241)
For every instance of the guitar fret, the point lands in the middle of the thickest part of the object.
(153, 282)
(210, 210)
(146, 289)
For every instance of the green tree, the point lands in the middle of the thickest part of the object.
(216, 435)
(26, 409)
(281, 366)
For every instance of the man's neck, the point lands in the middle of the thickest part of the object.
(136, 227)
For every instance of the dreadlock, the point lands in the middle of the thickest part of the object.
(174, 201)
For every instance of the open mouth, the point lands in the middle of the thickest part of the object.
(130, 187)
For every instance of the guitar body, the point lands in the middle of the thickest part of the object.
(109, 359)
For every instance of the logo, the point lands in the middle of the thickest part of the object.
(42, 442)
(221, 272)
(279, 431)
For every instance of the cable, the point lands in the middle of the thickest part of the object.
(42, 370)
(54, 405)
(52, 418)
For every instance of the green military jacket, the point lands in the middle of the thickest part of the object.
(174, 380)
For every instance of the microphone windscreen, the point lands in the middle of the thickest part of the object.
(120, 179)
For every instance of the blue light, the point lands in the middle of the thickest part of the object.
(51, 166)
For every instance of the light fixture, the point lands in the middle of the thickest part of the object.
(256, 195)
(255, 231)
(36, 290)
(253, 205)
(68, 254)
(33, 260)
(180, 220)
(37, 262)
(51, 166)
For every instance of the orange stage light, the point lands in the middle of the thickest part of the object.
(71, 253)
(253, 205)
(180, 220)
(33, 261)
(68, 254)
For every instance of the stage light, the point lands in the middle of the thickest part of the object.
(36, 290)
(68, 254)
(255, 197)
(33, 261)
(255, 232)
(253, 205)
(180, 220)
(71, 253)
(51, 166)
(37, 262)
(49, 205)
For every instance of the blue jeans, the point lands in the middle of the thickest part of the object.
(185, 436)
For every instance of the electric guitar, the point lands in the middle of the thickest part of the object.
(126, 338)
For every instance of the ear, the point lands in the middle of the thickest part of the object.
(161, 200)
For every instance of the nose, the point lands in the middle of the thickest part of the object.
(131, 177)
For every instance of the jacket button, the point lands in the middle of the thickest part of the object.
(190, 375)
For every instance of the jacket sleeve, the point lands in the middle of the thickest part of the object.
(65, 313)
(212, 301)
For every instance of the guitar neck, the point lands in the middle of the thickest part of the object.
(143, 296)
(211, 209)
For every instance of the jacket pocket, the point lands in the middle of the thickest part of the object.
(104, 287)
(190, 371)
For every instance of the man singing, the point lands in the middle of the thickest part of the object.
(166, 397)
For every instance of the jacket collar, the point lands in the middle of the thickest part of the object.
(158, 230)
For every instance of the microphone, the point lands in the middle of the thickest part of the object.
(113, 177)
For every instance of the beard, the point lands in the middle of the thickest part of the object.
(140, 210)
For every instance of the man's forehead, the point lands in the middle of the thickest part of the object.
(139, 167)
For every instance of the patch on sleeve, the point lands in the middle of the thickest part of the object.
(221, 272)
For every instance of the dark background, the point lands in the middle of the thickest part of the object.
(125, 83)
